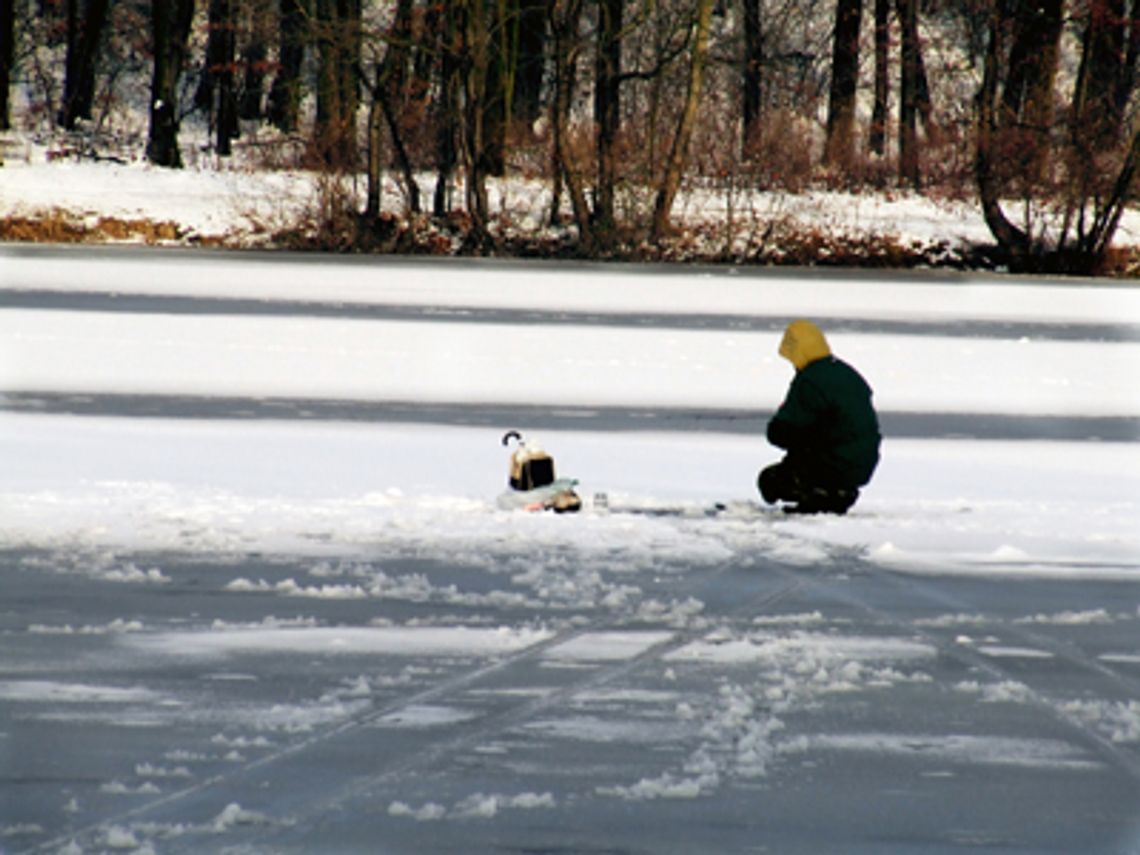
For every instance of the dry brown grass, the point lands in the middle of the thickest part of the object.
(58, 226)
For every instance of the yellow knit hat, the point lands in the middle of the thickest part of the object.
(803, 344)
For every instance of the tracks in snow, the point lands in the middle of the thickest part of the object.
(207, 798)
(769, 584)
(1124, 758)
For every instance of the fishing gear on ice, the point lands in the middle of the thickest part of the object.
(532, 482)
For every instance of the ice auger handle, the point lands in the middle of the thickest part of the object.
(511, 434)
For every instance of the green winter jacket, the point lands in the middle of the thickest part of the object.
(827, 422)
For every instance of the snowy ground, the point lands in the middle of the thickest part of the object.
(238, 200)
(258, 596)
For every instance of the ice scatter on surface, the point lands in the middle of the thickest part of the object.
(1122, 658)
(235, 815)
(1069, 618)
(964, 749)
(1005, 552)
(605, 646)
(424, 813)
(1119, 720)
(1006, 691)
(666, 786)
(120, 839)
(73, 693)
(425, 715)
(475, 806)
(1002, 651)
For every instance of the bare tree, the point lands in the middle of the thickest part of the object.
(448, 42)
(753, 66)
(84, 32)
(256, 18)
(338, 27)
(170, 23)
(285, 91)
(1097, 103)
(476, 56)
(387, 91)
(500, 20)
(515, 42)
(217, 80)
(530, 36)
(1068, 223)
(607, 109)
(877, 141)
(565, 23)
(678, 154)
(839, 149)
(7, 57)
(1127, 82)
(1027, 106)
(909, 94)
(215, 55)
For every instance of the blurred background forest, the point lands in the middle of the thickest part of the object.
(1021, 108)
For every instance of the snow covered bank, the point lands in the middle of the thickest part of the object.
(244, 205)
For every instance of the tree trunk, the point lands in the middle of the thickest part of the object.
(908, 95)
(678, 155)
(877, 140)
(223, 75)
(215, 56)
(1097, 121)
(388, 93)
(402, 158)
(394, 72)
(7, 56)
(338, 86)
(527, 100)
(447, 108)
(1123, 192)
(83, 37)
(285, 91)
(1010, 239)
(1032, 63)
(426, 52)
(351, 15)
(171, 28)
(1127, 81)
(839, 149)
(752, 80)
(476, 55)
(1026, 116)
(565, 19)
(253, 60)
(607, 110)
(498, 84)
(375, 156)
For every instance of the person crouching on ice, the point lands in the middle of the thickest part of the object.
(826, 424)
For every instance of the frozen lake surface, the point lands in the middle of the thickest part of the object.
(402, 703)
(258, 596)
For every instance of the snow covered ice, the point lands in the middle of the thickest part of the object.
(258, 596)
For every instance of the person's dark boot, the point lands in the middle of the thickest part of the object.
(825, 500)
(765, 484)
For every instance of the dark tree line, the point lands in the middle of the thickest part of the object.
(623, 100)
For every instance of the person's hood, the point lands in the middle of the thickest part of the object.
(803, 344)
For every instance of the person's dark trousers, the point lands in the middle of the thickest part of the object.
(809, 491)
